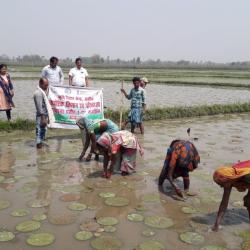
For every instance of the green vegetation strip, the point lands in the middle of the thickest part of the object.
(156, 113)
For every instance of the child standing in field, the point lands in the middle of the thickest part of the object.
(138, 105)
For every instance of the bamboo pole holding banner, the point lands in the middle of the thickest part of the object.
(121, 108)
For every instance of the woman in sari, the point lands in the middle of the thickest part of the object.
(120, 150)
(237, 176)
(6, 92)
(91, 130)
(182, 157)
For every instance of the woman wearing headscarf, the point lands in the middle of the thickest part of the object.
(182, 157)
(120, 151)
(237, 176)
(91, 130)
(6, 91)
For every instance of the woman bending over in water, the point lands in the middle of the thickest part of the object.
(237, 176)
(182, 157)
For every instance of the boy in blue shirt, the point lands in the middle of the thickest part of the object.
(138, 105)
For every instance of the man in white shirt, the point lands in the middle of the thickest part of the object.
(53, 72)
(78, 76)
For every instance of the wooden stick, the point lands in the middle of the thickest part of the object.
(121, 109)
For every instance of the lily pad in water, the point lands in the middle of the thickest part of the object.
(70, 197)
(2, 178)
(192, 238)
(117, 201)
(107, 194)
(72, 189)
(188, 210)
(38, 203)
(40, 239)
(39, 217)
(109, 229)
(151, 245)
(20, 212)
(158, 222)
(28, 226)
(148, 233)
(135, 217)
(151, 198)
(77, 206)
(211, 247)
(244, 234)
(107, 243)
(245, 245)
(141, 208)
(6, 236)
(4, 204)
(83, 235)
(107, 221)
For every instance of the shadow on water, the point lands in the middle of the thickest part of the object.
(233, 216)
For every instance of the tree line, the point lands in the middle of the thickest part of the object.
(136, 62)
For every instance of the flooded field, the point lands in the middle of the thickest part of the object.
(47, 185)
(157, 95)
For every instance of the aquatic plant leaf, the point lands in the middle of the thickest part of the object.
(77, 206)
(245, 245)
(38, 203)
(39, 217)
(107, 194)
(72, 189)
(109, 229)
(83, 235)
(107, 243)
(6, 236)
(151, 245)
(4, 204)
(211, 247)
(117, 201)
(148, 233)
(188, 210)
(2, 178)
(135, 217)
(141, 208)
(107, 221)
(70, 197)
(158, 222)
(20, 212)
(151, 198)
(192, 238)
(244, 234)
(40, 239)
(28, 226)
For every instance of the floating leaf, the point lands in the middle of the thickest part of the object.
(143, 173)
(148, 233)
(244, 234)
(211, 247)
(107, 243)
(28, 226)
(192, 238)
(83, 235)
(188, 210)
(72, 189)
(141, 207)
(151, 245)
(109, 229)
(4, 204)
(39, 217)
(20, 212)
(77, 206)
(107, 194)
(64, 218)
(2, 178)
(6, 236)
(38, 203)
(107, 221)
(40, 239)
(158, 222)
(9, 181)
(117, 201)
(106, 184)
(151, 198)
(135, 217)
(70, 197)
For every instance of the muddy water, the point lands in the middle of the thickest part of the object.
(158, 95)
(53, 172)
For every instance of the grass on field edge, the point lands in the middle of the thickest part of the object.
(156, 113)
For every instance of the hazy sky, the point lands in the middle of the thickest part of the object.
(217, 30)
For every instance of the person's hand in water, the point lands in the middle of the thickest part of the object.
(179, 192)
(190, 193)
